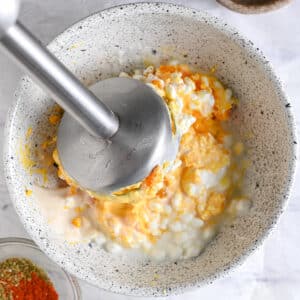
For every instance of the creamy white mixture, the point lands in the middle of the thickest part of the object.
(185, 237)
(179, 225)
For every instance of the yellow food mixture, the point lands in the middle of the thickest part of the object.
(198, 183)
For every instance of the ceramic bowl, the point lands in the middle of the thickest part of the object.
(121, 39)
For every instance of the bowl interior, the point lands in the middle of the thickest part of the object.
(122, 39)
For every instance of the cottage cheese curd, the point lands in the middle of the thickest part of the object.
(174, 212)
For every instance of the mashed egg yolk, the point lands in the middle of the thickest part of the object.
(197, 183)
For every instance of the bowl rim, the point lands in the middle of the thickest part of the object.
(233, 34)
(31, 244)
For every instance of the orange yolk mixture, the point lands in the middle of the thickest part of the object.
(178, 208)
(198, 185)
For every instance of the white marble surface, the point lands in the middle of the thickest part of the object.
(273, 272)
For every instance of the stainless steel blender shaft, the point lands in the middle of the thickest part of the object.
(142, 140)
(60, 83)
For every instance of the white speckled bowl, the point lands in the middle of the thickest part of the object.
(120, 39)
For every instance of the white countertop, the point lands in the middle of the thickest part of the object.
(273, 272)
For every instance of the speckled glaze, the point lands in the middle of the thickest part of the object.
(121, 39)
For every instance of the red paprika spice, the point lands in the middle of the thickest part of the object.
(20, 279)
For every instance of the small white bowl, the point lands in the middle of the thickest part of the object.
(121, 39)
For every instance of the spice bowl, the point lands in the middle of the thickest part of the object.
(65, 285)
(254, 6)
